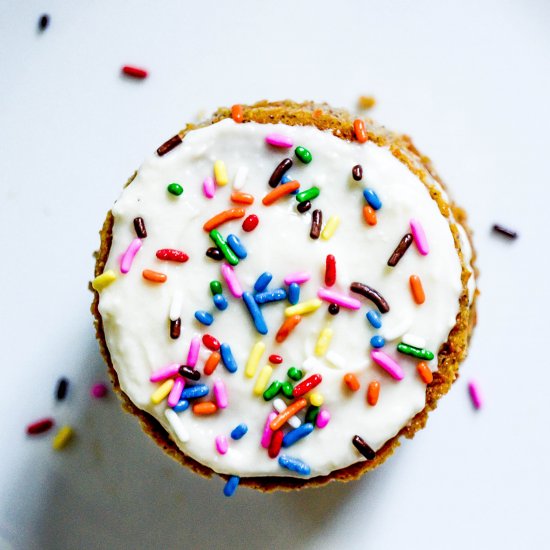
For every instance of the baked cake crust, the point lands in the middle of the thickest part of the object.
(451, 352)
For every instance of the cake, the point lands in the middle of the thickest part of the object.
(282, 292)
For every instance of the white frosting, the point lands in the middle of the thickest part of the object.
(135, 312)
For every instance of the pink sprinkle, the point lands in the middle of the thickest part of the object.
(338, 298)
(387, 363)
(278, 140)
(221, 444)
(193, 353)
(299, 277)
(128, 257)
(475, 394)
(175, 393)
(99, 390)
(209, 187)
(220, 393)
(419, 237)
(323, 418)
(268, 432)
(231, 279)
(164, 373)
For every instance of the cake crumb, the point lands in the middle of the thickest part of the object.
(366, 102)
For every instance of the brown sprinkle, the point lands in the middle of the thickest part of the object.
(402, 247)
(304, 206)
(214, 253)
(371, 294)
(316, 223)
(189, 372)
(361, 445)
(510, 233)
(175, 329)
(279, 172)
(167, 146)
(139, 226)
(357, 172)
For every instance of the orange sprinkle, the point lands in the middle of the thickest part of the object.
(287, 327)
(317, 113)
(222, 217)
(242, 198)
(280, 191)
(288, 413)
(359, 129)
(211, 363)
(369, 214)
(424, 372)
(237, 113)
(351, 381)
(154, 276)
(417, 290)
(373, 392)
(205, 408)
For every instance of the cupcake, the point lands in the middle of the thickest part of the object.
(283, 292)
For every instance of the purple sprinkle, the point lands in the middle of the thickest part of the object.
(475, 394)
(99, 390)
(279, 140)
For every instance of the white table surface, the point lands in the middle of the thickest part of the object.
(470, 80)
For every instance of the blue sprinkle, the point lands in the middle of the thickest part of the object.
(204, 317)
(182, 405)
(374, 318)
(239, 431)
(372, 198)
(295, 435)
(294, 464)
(377, 342)
(192, 392)
(255, 312)
(271, 296)
(263, 280)
(227, 358)
(220, 301)
(286, 178)
(294, 293)
(231, 486)
(237, 246)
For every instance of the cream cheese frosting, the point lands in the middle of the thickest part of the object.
(135, 312)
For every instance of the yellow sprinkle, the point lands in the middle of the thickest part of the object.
(262, 380)
(220, 173)
(303, 307)
(316, 399)
(323, 342)
(332, 225)
(162, 391)
(253, 359)
(103, 280)
(62, 438)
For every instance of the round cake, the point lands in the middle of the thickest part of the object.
(282, 292)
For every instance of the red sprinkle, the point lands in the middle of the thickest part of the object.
(251, 223)
(40, 426)
(275, 359)
(171, 255)
(210, 342)
(276, 443)
(307, 385)
(134, 72)
(330, 271)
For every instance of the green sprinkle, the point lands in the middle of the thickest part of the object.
(303, 154)
(215, 287)
(295, 374)
(273, 390)
(308, 194)
(218, 239)
(287, 389)
(415, 352)
(311, 414)
(175, 188)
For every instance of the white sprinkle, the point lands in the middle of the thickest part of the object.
(279, 405)
(413, 340)
(179, 429)
(240, 177)
(175, 306)
(336, 359)
(312, 363)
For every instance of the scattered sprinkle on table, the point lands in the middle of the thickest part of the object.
(475, 394)
(134, 72)
(505, 231)
(43, 22)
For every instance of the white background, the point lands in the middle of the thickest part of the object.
(470, 80)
